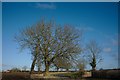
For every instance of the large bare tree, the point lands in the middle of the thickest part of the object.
(94, 55)
(48, 41)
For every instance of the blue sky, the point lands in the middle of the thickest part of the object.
(98, 20)
(60, 0)
(0, 36)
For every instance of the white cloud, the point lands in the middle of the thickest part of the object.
(111, 40)
(88, 29)
(107, 50)
(85, 27)
(45, 5)
(115, 42)
(3, 65)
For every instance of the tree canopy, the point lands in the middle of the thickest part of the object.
(48, 41)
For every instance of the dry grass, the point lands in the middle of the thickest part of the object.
(26, 76)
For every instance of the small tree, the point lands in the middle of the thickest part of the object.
(24, 68)
(63, 63)
(15, 69)
(81, 64)
(93, 54)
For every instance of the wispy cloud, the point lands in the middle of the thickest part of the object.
(110, 40)
(6, 65)
(88, 29)
(85, 28)
(115, 40)
(108, 49)
(45, 5)
(3, 65)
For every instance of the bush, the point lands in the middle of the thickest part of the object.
(78, 74)
(106, 74)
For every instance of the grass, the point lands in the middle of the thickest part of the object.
(62, 76)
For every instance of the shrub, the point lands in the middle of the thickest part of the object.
(78, 74)
(106, 74)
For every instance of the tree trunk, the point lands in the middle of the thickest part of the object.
(93, 63)
(57, 69)
(67, 70)
(38, 65)
(93, 69)
(47, 68)
(33, 65)
(39, 69)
